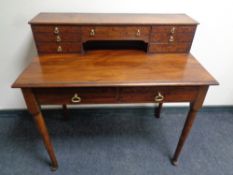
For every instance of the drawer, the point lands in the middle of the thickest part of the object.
(56, 29)
(64, 47)
(50, 37)
(116, 33)
(170, 47)
(174, 28)
(157, 94)
(76, 95)
(177, 37)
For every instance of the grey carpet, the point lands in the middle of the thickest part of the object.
(118, 141)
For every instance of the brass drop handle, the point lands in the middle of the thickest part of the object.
(76, 98)
(58, 38)
(173, 29)
(56, 30)
(138, 33)
(159, 97)
(59, 49)
(171, 38)
(92, 32)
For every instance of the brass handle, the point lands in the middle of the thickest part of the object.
(58, 38)
(173, 29)
(159, 97)
(56, 30)
(76, 98)
(171, 38)
(59, 49)
(92, 32)
(138, 33)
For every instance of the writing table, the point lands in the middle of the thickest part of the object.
(114, 77)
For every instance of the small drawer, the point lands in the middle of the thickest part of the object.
(157, 94)
(166, 37)
(56, 29)
(76, 95)
(116, 33)
(62, 37)
(64, 47)
(169, 48)
(174, 29)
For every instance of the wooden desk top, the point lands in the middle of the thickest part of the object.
(112, 18)
(114, 68)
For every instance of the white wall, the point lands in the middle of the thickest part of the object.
(213, 43)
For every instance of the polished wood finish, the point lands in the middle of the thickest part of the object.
(154, 30)
(34, 109)
(113, 76)
(194, 107)
(114, 68)
(111, 18)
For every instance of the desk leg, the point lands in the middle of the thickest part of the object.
(194, 107)
(158, 110)
(34, 109)
(65, 112)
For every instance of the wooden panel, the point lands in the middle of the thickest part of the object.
(169, 48)
(51, 28)
(111, 18)
(64, 95)
(116, 33)
(178, 37)
(148, 94)
(66, 47)
(50, 37)
(178, 29)
(114, 68)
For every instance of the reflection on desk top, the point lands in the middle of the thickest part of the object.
(114, 68)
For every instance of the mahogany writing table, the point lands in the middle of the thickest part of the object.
(114, 77)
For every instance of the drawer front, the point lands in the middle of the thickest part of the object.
(169, 48)
(76, 95)
(62, 37)
(116, 33)
(64, 47)
(173, 29)
(157, 94)
(55, 29)
(167, 38)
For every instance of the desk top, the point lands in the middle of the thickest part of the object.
(111, 19)
(114, 68)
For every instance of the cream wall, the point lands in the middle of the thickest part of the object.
(213, 43)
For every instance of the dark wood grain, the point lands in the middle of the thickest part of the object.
(111, 18)
(178, 29)
(113, 76)
(34, 108)
(183, 47)
(52, 47)
(114, 68)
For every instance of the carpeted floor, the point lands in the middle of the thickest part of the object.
(118, 141)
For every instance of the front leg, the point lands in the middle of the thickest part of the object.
(194, 107)
(158, 110)
(34, 109)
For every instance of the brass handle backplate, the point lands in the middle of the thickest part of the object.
(59, 49)
(159, 97)
(173, 29)
(92, 32)
(138, 33)
(56, 30)
(171, 38)
(58, 38)
(76, 98)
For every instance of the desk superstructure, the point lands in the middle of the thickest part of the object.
(77, 66)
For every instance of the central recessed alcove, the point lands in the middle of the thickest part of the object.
(115, 45)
